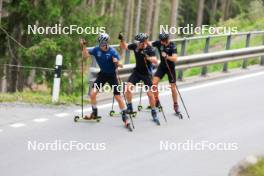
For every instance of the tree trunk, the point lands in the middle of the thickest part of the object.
(137, 23)
(126, 18)
(155, 23)
(102, 8)
(31, 78)
(131, 21)
(112, 6)
(227, 9)
(199, 19)
(173, 15)
(4, 82)
(223, 9)
(149, 16)
(2, 70)
(213, 11)
(1, 10)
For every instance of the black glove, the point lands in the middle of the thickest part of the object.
(121, 36)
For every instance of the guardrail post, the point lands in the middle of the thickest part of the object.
(57, 79)
(228, 44)
(183, 53)
(262, 57)
(206, 50)
(245, 61)
(127, 57)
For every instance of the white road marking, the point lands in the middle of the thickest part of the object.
(39, 120)
(17, 125)
(61, 115)
(213, 83)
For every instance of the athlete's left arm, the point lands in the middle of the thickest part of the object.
(172, 58)
(117, 63)
(152, 59)
(172, 53)
(150, 55)
(116, 59)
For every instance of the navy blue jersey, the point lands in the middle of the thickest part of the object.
(170, 49)
(143, 66)
(105, 59)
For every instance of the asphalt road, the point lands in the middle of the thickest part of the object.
(225, 111)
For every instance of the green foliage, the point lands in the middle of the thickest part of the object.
(254, 170)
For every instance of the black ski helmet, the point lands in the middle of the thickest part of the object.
(163, 36)
(141, 37)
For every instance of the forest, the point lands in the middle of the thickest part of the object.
(27, 60)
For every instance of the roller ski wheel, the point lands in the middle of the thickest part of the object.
(76, 118)
(112, 113)
(160, 108)
(179, 114)
(140, 107)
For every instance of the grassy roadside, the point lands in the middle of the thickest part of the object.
(39, 98)
(254, 170)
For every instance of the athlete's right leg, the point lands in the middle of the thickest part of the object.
(99, 82)
(132, 80)
(155, 90)
(93, 95)
(157, 77)
(129, 95)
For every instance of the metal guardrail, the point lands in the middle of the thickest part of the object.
(200, 60)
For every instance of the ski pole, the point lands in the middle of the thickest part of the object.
(113, 101)
(82, 85)
(177, 89)
(163, 114)
(140, 95)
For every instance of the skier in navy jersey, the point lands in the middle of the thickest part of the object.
(145, 57)
(168, 57)
(108, 61)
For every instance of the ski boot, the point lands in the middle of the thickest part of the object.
(155, 117)
(126, 121)
(158, 105)
(176, 109)
(130, 110)
(91, 117)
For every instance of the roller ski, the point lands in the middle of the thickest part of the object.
(177, 112)
(91, 117)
